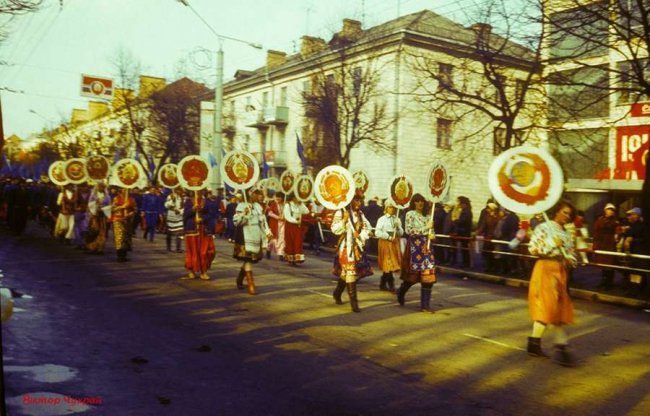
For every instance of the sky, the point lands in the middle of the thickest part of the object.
(42, 60)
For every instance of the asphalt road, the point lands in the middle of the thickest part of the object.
(134, 339)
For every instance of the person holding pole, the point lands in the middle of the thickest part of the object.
(199, 244)
(418, 264)
(123, 211)
(251, 238)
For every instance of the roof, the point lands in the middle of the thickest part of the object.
(424, 22)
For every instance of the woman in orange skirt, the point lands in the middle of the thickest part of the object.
(548, 295)
(388, 231)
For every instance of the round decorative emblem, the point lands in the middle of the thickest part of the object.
(168, 175)
(287, 181)
(97, 167)
(334, 187)
(56, 173)
(400, 191)
(75, 170)
(127, 173)
(304, 188)
(239, 169)
(361, 181)
(526, 180)
(193, 173)
(438, 181)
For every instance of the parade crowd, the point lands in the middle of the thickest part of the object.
(409, 242)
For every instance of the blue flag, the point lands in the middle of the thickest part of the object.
(301, 154)
(265, 166)
(152, 166)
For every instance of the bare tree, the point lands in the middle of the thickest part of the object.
(492, 86)
(15, 7)
(175, 113)
(346, 109)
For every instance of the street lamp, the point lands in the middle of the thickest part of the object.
(217, 141)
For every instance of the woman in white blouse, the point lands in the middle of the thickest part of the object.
(388, 231)
(293, 231)
(350, 263)
(418, 264)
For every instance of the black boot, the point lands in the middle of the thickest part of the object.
(168, 240)
(391, 282)
(535, 347)
(382, 282)
(425, 299)
(240, 279)
(340, 286)
(268, 254)
(352, 292)
(402, 292)
(562, 356)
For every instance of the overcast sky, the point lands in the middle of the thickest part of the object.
(46, 53)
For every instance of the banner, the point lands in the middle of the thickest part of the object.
(631, 148)
(96, 87)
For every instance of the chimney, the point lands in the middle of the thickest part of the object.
(351, 28)
(149, 85)
(78, 116)
(482, 30)
(310, 45)
(121, 96)
(96, 109)
(275, 58)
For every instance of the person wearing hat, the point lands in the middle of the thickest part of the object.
(605, 239)
(350, 261)
(633, 243)
(388, 231)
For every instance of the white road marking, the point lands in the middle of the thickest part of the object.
(491, 341)
(468, 295)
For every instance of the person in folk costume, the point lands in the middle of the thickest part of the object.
(123, 210)
(418, 264)
(293, 231)
(251, 238)
(64, 228)
(150, 212)
(175, 204)
(199, 243)
(549, 302)
(275, 213)
(388, 231)
(213, 212)
(98, 206)
(82, 195)
(350, 262)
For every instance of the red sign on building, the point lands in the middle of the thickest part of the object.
(632, 144)
(96, 87)
(640, 110)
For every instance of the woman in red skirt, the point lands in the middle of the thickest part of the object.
(293, 232)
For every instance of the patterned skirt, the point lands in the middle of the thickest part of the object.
(418, 266)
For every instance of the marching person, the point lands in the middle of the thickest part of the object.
(388, 231)
(251, 236)
(293, 231)
(548, 296)
(64, 228)
(175, 205)
(418, 264)
(150, 212)
(99, 206)
(123, 211)
(275, 212)
(350, 262)
(199, 244)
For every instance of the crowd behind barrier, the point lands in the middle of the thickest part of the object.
(496, 243)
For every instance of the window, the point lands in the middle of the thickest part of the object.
(578, 94)
(580, 32)
(581, 153)
(283, 96)
(445, 79)
(630, 17)
(629, 88)
(520, 85)
(306, 87)
(443, 134)
(265, 100)
(500, 144)
(356, 82)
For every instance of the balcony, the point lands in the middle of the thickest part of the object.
(253, 119)
(274, 158)
(277, 116)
